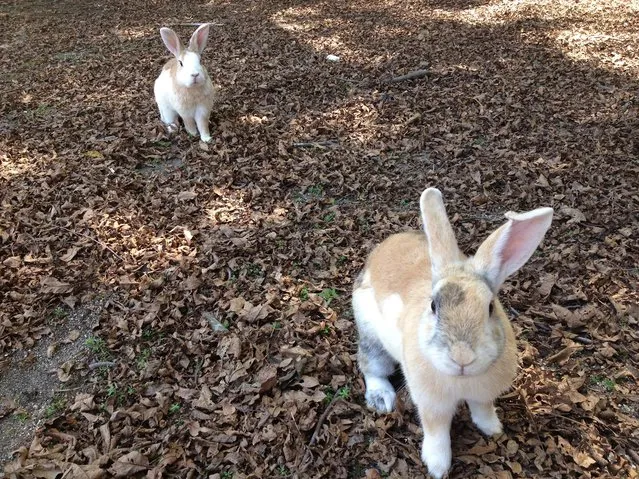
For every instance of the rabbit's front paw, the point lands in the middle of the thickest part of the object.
(380, 395)
(206, 138)
(437, 458)
(489, 425)
(485, 418)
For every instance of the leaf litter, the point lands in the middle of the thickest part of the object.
(228, 266)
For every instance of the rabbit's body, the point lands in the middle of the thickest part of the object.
(396, 281)
(420, 303)
(184, 87)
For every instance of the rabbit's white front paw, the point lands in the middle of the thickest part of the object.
(489, 426)
(485, 418)
(172, 127)
(380, 394)
(206, 138)
(437, 455)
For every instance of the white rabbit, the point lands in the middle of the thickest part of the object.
(420, 303)
(184, 87)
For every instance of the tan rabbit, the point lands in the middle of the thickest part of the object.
(184, 87)
(422, 304)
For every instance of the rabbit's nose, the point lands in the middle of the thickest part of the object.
(195, 75)
(462, 354)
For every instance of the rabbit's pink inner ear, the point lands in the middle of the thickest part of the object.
(508, 248)
(199, 38)
(442, 244)
(171, 41)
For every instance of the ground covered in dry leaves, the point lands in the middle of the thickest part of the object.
(206, 287)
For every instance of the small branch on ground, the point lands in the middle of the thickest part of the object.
(409, 76)
(101, 364)
(198, 24)
(531, 418)
(92, 239)
(198, 368)
(316, 144)
(67, 390)
(322, 418)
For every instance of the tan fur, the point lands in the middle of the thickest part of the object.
(189, 97)
(401, 265)
(420, 302)
(184, 89)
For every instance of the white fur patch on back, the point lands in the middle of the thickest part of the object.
(392, 307)
(382, 323)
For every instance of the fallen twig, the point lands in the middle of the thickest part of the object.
(322, 418)
(67, 390)
(198, 368)
(315, 144)
(397, 441)
(101, 364)
(92, 239)
(197, 24)
(409, 76)
(531, 417)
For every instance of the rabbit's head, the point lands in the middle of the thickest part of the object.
(462, 331)
(189, 70)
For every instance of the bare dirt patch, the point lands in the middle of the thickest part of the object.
(36, 383)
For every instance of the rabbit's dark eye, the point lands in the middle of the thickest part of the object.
(433, 307)
(490, 308)
(180, 62)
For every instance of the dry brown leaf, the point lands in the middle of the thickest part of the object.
(583, 459)
(54, 286)
(481, 448)
(186, 195)
(310, 382)
(70, 254)
(192, 283)
(575, 215)
(570, 318)
(129, 464)
(12, 262)
(64, 371)
(267, 378)
(73, 335)
(46, 471)
(89, 471)
(515, 467)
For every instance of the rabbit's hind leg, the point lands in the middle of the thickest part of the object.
(169, 116)
(375, 362)
(202, 119)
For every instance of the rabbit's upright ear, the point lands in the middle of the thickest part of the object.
(199, 38)
(171, 41)
(442, 244)
(510, 246)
